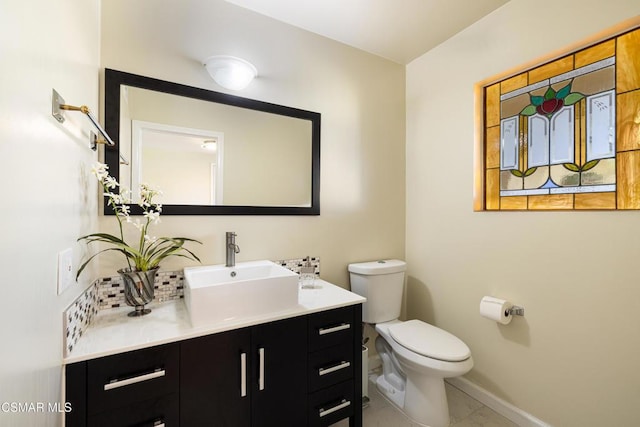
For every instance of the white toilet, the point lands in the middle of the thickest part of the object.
(416, 356)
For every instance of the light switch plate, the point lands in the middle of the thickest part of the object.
(65, 270)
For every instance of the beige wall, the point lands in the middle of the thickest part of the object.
(48, 199)
(360, 97)
(170, 169)
(571, 360)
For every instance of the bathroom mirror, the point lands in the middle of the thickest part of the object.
(209, 152)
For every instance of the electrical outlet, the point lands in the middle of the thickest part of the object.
(65, 270)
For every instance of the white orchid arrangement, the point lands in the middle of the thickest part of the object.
(149, 250)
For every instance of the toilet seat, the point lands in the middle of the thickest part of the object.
(429, 341)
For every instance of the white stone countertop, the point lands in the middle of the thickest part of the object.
(112, 331)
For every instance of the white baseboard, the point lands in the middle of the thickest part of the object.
(506, 409)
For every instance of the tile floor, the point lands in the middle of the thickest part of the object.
(463, 410)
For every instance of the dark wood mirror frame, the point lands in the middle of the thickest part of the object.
(115, 79)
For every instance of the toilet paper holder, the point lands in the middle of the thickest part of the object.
(516, 311)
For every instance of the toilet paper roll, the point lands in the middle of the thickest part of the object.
(496, 309)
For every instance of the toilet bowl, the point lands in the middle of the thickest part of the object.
(416, 356)
(423, 355)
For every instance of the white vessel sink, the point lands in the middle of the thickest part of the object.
(217, 293)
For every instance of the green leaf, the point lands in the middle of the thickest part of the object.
(562, 93)
(529, 110)
(530, 171)
(536, 100)
(84, 264)
(590, 165)
(550, 93)
(571, 166)
(104, 237)
(165, 247)
(516, 172)
(572, 98)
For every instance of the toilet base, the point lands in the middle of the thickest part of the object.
(390, 392)
(426, 400)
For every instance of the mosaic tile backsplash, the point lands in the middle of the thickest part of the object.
(168, 285)
(108, 292)
(79, 314)
(295, 264)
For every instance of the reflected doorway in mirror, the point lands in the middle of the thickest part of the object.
(179, 161)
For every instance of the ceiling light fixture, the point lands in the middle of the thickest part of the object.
(210, 144)
(230, 72)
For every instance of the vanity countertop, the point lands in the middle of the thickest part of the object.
(112, 332)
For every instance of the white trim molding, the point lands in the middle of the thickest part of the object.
(506, 409)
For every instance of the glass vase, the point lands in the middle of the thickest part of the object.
(138, 289)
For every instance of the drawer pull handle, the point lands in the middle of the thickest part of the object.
(243, 375)
(324, 331)
(158, 423)
(261, 373)
(343, 404)
(121, 383)
(341, 365)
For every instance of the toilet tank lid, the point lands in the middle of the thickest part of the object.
(386, 266)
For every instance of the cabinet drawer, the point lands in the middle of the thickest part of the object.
(330, 366)
(333, 327)
(162, 411)
(122, 379)
(331, 404)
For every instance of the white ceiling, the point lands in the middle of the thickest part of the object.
(399, 30)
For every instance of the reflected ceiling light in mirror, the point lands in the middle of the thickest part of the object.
(210, 144)
(230, 72)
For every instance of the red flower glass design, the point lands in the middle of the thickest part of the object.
(551, 102)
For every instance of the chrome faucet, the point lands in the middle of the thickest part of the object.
(232, 249)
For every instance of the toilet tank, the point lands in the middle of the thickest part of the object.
(382, 284)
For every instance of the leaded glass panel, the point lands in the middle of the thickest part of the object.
(565, 134)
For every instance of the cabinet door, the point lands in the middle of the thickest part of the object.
(279, 397)
(214, 380)
(76, 394)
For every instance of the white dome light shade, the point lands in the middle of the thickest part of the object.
(210, 144)
(230, 72)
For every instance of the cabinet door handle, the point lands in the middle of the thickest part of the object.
(341, 365)
(324, 331)
(261, 372)
(243, 375)
(339, 406)
(140, 378)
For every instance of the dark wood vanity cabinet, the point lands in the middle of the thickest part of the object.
(214, 379)
(335, 366)
(301, 371)
(248, 377)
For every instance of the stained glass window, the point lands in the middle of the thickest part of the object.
(565, 134)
